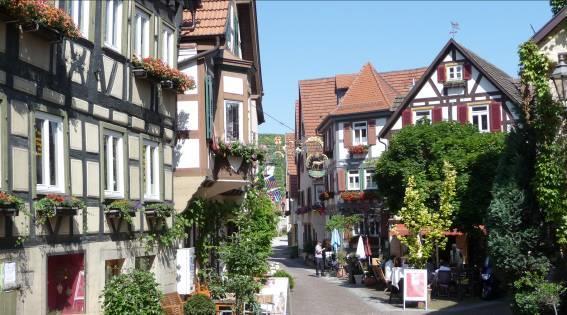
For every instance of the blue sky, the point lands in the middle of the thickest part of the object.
(305, 40)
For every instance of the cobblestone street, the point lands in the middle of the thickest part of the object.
(328, 295)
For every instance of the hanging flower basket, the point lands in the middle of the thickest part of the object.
(158, 210)
(358, 151)
(56, 205)
(352, 196)
(33, 15)
(10, 205)
(159, 71)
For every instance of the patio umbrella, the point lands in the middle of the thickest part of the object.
(335, 239)
(360, 248)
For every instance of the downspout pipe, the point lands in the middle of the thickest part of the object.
(187, 61)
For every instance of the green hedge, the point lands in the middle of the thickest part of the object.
(283, 274)
(199, 304)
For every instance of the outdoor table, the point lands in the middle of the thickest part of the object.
(397, 274)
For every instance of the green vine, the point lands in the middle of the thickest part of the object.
(45, 207)
(162, 209)
(248, 152)
(125, 207)
(557, 5)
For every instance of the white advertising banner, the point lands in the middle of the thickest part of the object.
(185, 261)
(415, 286)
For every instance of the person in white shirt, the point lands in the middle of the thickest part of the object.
(319, 259)
(388, 266)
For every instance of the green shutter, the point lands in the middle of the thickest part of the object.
(362, 178)
(209, 113)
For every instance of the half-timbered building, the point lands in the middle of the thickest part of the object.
(459, 86)
(76, 122)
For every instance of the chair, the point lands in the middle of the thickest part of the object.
(379, 274)
(443, 282)
(396, 292)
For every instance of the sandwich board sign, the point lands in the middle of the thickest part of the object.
(415, 286)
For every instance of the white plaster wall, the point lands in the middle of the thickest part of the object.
(342, 152)
(188, 115)
(445, 113)
(381, 144)
(458, 56)
(427, 90)
(485, 86)
(233, 85)
(187, 153)
(191, 69)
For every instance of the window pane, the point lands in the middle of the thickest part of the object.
(115, 163)
(484, 122)
(53, 153)
(39, 150)
(475, 120)
(106, 161)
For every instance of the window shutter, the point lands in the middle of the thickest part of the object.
(341, 178)
(208, 107)
(441, 75)
(495, 116)
(437, 114)
(347, 135)
(467, 71)
(406, 117)
(372, 132)
(462, 114)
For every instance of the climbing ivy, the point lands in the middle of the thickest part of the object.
(557, 5)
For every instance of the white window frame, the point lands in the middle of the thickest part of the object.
(479, 114)
(141, 33)
(113, 24)
(59, 185)
(417, 117)
(357, 138)
(109, 167)
(152, 192)
(240, 120)
(79, 12)
(168, 45)
(369, 174)
(457, 72)
(355, 176)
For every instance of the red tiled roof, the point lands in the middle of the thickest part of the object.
(368, 92)
(403, 80)
(210, 17)
(345, 80)
(317, 99)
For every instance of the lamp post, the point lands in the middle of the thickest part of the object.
(559, 78)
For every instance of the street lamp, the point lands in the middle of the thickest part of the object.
(559, 77)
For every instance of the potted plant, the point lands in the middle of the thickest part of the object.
(158, 210)
(355, 269)
(237, 154)
(55, 205)
(341, 260)
(350, 196)
(10, 205)
(121, 208)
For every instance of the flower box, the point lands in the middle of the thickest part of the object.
(66, 211)
(9, 211)
(35, 15)
(139, 72)
(54, 205)
(358, 151)
(160, 72)
(10, 205)
(166, 84)
(158, 210)
(114, 213)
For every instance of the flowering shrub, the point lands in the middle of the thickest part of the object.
(8, 200)
(158, 70)
(45, 207)
(43, 13)
(248, 152)
(358, 149)
(326, 195)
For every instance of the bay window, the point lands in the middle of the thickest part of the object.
(141, 34)
(49, 158)
(233, 120)
(369, 182)
(113, 24)
(479, 117)
(114, 164)
(167, 39)
(353, 180)
(151, 170)
(360, 133)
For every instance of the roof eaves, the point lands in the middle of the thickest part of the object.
(549, 26)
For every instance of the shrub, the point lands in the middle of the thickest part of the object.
(284, 274)
(132, 293)
(199, 304)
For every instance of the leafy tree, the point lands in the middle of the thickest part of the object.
(132, 293)
(427, 226)
(341, 222)
(557, 5)
(420, 151)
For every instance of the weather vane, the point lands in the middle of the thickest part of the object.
(454, 29)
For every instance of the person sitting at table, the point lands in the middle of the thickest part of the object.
(397, 262)
(456, 256)
(442, 267)
(388, 266)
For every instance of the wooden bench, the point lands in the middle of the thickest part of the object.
(172, 304)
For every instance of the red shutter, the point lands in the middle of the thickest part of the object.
(441, 73)
(372, 132)
(406, 117)
(463, 114)
(437, 114)
(495, 116)
(341, 179)
(467, 72)
(347, 135)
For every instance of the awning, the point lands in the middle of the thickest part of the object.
(399, 229)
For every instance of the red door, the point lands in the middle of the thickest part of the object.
(66, 283)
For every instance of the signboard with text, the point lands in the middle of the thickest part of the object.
(415, 286)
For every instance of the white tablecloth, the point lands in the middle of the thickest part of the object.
(397, 274)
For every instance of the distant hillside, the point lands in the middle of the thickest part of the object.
(275, 156)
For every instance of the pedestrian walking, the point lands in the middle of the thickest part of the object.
(319, 259)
